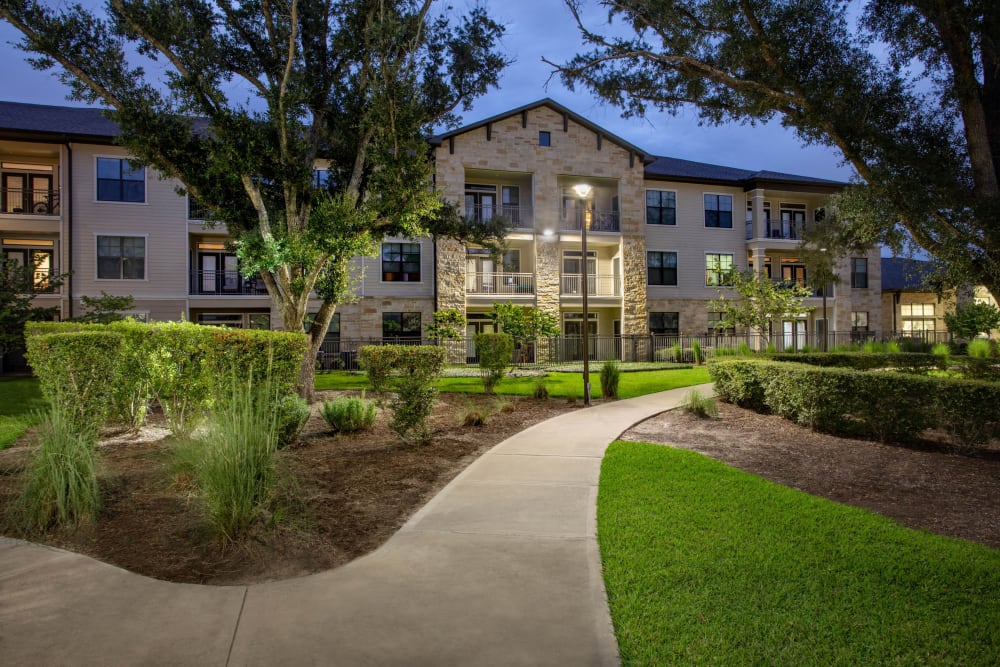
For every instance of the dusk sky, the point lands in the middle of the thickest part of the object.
(537, 28)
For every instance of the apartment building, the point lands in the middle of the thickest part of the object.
(663, 233)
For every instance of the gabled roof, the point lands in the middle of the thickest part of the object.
(51, 123)
(902, 274)
(646, 158)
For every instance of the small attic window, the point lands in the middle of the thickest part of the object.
(544, 138)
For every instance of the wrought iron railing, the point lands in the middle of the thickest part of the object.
(23, 201)
(601, 220)
(226, 282)
(520, 216)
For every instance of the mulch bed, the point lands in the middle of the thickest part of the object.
(929, 485)
(348, 495)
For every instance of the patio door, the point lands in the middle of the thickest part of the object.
(794, 334)
(219, 273)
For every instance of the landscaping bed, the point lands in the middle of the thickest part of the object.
(347, 494)
(931, 485)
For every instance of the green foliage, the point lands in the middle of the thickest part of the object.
(17, 292)
(926, 109)
(759, 301)
(972, 320)
(523, 322)
(678, 352)
(700, 406)
(942, 352)
(474, 415)
(743, 349)
(180, 383)
(78, 372)
(235, 468)
(105, 309)
(540, 390)
(449, 324)
(349, 414)
(495, 352)
(890, 406)
(292, 413)
(21, 403)
(61, 486)
(696, 352)
(611, 372)
(705, 564)
(410, 371)
(979, 348)
(356, 84)
(253, 355)
(912, 361)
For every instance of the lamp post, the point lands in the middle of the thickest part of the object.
(826, 321)
(583, 191)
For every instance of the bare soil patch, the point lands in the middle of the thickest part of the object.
(347, 495)
(927, 486)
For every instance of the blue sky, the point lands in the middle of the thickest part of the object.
(544, 28)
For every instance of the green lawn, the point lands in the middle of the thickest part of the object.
(560, 385)
(19, 398)
(707, 565)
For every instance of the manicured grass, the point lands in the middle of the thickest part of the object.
(560, 385)
(20, 398)
(707, 565)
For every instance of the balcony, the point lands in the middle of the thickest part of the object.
(226, 283)
(597, 285)
(601, 220)
(520, 216)
(20, 201)
(500, 284)
(785, 231)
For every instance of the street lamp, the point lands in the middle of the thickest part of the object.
(582, 192)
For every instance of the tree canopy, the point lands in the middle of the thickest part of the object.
(760, 302)
(907, 91)
(240, 101)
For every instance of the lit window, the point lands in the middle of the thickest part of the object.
(718, 269)
(859, 320)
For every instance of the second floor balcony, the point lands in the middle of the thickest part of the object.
(225, 283)
(601, 220)
(500, 284)
(22, 201)
(597, 285)
(520, 216)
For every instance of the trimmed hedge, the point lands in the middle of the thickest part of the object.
(861, 361)
(886, 404)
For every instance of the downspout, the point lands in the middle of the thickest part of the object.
(67, 202)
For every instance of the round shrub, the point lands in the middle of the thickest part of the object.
(349, 414)
(292, 415)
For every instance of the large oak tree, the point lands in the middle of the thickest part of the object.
(238, 100)
(909, 92)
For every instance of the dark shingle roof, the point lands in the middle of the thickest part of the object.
(674, 169)
(40, 119)
(899, 273)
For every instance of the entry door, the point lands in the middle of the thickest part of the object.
(795, 334)
(573, 274)
(219, 273)
(13, 193)
(479, 274)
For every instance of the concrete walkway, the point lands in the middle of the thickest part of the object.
(500, 568)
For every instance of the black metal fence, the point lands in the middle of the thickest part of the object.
(342, 354)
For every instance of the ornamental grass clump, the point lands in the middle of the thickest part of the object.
(700, 406)
(611, 373)
(978, 348)
(61, 486)
(349, 414)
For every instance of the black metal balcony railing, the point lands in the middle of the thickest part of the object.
(520, 216)
(785, 231)
(226, 282)
(30, 202)
(600, 220)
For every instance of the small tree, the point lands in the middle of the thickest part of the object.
(18, 284)
(448, 325)
(495, 353)
(759, 302)
(972, 320)
(823, 245)
(105, 308)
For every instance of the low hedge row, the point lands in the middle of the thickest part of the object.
(889, 405)
(183, 365)
(861, 361)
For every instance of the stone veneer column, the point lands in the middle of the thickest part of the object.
(635, 320)
(547, 271)
(451, 267)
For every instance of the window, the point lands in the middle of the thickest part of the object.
(793, 220)
(661, 207)
(716, 326)
(664, 324)
(917, 317)
(859, 272)
(544, 138)
(793, 274)
(719, 211)
(401, 262)
(661, 268)
(120, 180)
(34, 256)
(480, 201)
(718, 269)
(321, 179)
(510, 201)
(121, 257)
(401, 325)
(859, 320)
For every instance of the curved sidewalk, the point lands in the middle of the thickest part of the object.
(500, 568)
